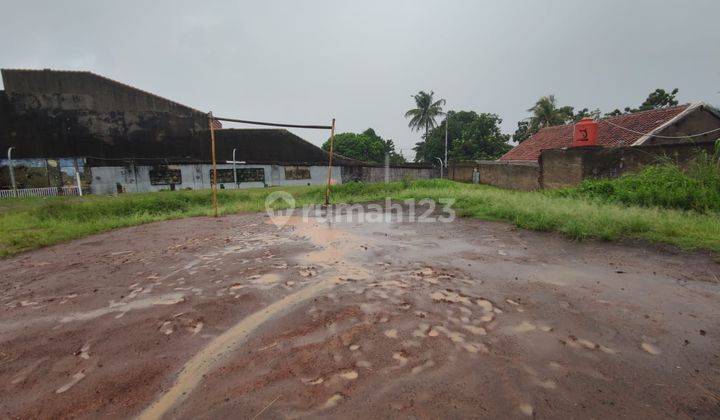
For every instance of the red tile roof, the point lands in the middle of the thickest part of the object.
(608, 135)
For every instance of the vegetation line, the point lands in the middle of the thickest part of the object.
(27, 224)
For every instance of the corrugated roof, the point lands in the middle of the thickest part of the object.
(100, 77)
(608, 134)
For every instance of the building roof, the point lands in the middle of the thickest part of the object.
(638, 127)
(25, 80)
(271, 146)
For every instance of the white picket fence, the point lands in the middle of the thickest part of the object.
(39, 192)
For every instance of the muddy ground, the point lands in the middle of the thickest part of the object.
(234, 317)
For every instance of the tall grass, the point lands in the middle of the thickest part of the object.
(32, 223)
(665, 185)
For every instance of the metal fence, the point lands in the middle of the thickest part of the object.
(40, 192)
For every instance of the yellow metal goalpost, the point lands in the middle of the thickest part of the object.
(214, 124)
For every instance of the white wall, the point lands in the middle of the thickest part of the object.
(197, 176)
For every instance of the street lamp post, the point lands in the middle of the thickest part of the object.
(447, 122)
(234, 168)
(12, 171)
(441, 167)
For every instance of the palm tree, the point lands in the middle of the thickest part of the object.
(546, 113)
(423, 116)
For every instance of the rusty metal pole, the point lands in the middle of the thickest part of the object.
(213, 181)
(332, 140)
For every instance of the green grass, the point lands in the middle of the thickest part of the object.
(32, 223)
(665, 185)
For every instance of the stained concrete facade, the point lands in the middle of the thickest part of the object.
(560, 168)
(124, 137)
(66, 113)
(115, 179)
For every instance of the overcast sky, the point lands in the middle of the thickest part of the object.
(359, 61)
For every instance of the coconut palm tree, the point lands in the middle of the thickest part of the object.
(422, 117)
(546, 113)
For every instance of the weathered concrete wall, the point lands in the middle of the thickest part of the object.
(105, 179)
(4, 111)
(516, 176)
(396, 173)
(62, 114)
(696, 122)
(462, 172)
(81, 90)
(561, 168)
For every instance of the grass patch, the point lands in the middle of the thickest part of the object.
(696, 188)
(32, 223)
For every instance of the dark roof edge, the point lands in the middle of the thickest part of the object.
(99, 76)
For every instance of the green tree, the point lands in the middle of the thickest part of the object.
(525, 129)
(426, 110)
(471, 136)
(547, 114)
(657, 99)
(586, 113)
(366, 146)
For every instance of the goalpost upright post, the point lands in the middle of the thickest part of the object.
(332, 140)
(214, 163)
(211, 125)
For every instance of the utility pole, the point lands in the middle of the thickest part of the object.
(12, 171)
(447, 122)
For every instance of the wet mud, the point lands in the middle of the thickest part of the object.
(235, 317)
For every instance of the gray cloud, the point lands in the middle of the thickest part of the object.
(306, 62)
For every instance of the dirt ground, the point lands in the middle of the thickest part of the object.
(234, 317)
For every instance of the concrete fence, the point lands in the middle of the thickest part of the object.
(40, 192)
(393, 173)
(561, 168)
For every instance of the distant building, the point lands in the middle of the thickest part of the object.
(125, 139)
(643, 128)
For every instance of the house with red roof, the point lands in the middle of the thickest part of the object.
(696, 122)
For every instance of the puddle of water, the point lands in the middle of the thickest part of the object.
(223, 345)
(392, 333)
(75, 379)
(23, 374)
(650, 348)
(402, 360)
(332, 401)
(168, 299)
(524, 327)
(526, 409)
(349, 375)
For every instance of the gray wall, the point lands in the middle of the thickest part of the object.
(698, 121)
(462, 172)
(396, 173)
(64, 113)
(561, 168)
(196, 176)
(518, 176)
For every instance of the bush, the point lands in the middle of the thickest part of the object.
(665, 185)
